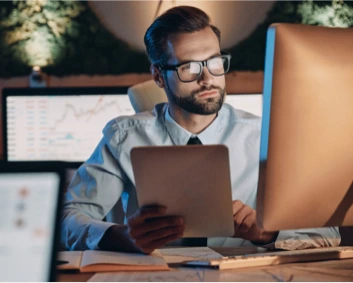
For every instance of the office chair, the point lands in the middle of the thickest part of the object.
(144, 96)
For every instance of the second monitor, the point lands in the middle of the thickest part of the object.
(62, 124)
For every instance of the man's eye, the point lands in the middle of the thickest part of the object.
(185, 67)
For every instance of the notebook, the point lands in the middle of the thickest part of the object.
(30, 200)
(191, 181)
(104, 261)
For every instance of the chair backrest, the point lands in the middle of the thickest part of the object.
(144, 96)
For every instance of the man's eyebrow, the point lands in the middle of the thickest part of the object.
(187, 61)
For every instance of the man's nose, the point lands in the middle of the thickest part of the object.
(206, 77)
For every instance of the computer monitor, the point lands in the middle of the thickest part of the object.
(251, 103)
(30, 202)
(65, 124)
(306, 152)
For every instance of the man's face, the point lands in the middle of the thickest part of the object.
(204, 96)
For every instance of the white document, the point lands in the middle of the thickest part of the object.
(171, 255)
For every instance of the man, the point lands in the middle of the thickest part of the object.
(186, 60)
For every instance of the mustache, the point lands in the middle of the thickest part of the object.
(206, 88)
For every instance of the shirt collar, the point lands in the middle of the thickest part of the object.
(180, 136)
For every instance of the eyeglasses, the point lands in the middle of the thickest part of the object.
(191, 71)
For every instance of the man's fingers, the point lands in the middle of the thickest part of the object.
(244, 219)
(247, 223)
(149, 228)
(155, 225)
(160, 242)
(240, 216)
(146, 212)
(152, 237)
(237, 205)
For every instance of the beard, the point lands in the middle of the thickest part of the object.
(191, 104)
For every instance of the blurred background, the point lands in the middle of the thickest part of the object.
(100, 43)
(66, 38)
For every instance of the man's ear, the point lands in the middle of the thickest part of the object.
(157, 76)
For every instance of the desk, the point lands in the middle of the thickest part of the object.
(332, 270)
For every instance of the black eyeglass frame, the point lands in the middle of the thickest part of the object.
(201, 63)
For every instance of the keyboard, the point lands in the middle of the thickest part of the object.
(274, 258)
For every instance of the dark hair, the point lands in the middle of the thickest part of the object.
(180, 19)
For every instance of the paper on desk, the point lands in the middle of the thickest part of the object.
(174, 275)
(177, 255)
(264, 274)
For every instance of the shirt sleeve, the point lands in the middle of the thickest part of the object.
(306, 238)
(94, 190)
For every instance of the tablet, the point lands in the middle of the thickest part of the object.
(191, 181)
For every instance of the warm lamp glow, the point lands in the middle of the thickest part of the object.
(38, 50)
(231, 17)
(36, 29)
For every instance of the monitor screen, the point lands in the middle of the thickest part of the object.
(306, 152)
(59, 124)
(28, 205)
(251, 103)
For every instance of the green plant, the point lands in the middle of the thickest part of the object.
(64, 38)
(249, 54)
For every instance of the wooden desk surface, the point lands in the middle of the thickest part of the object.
(333, 270)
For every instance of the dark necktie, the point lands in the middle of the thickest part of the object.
(194, 140)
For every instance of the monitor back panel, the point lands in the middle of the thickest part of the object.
(306, 172)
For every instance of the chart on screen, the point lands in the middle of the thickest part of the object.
(66, 128)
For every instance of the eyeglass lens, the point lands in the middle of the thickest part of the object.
(216, 66)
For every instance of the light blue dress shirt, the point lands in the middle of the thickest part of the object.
(104, 185)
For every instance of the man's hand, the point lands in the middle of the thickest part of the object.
(245, 225)
(147, 230)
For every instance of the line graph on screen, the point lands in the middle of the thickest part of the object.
(60, 127)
